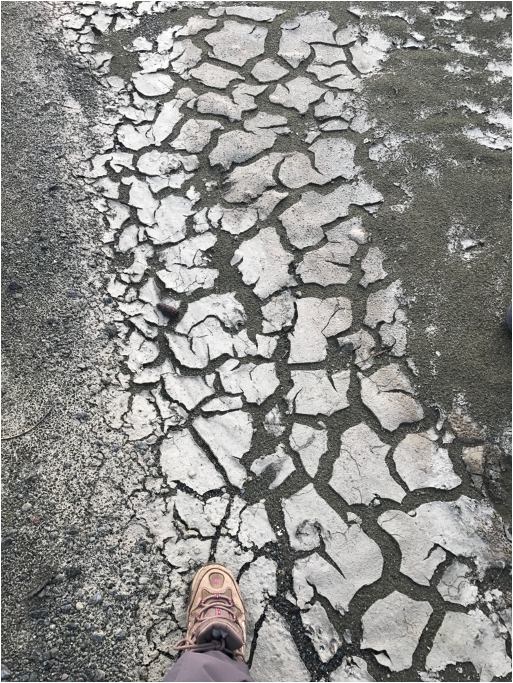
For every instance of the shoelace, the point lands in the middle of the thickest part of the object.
(219, 602)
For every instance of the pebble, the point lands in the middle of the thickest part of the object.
(65, 609)
(96, 599)
(120, 635)
(26, 507)
(97, 637)
(80, 605)
(14, 287)
(59, 578)
(73, 294)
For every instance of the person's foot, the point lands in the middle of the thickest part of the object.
(216, 619)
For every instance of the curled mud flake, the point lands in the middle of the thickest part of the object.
(323, 73)
(138, 268)
(278, 313)
(153, 62)
(263, 13)
(368, 56)
(360, 473)
(140, 351)
(194, 25)
(248, 182)
(472, 637)
(317, 320)
(335, 105)
(372, 266)
(276, 655)
(230, 554)
(170, 219)
(258, 585)
(321, 632)
(142, 419)
(304, 220)
(382, 305)
(237, 146)
(315, 393)
(229, 437)
(272, 422)
(158, 518)
(225, 307)
(385, 393)
(168, 311)
(360, 343)
(214, 76)
(128, 238)
(280, 464)
(223, 404)
(268, 70)
(309, 519)
(296, 171)
(264, 263)
(187, 390)
(204, 517)
(184, 56)
(142, 199)
(195, 135)
(325, 266)
(242, 99)
(184, 265)
(392, 627)
(153, 374)
(334, 124)
(422, 464)
(256, 382)
(297, 35)
(115, 405)
(187, 554)
(327, 55)
(454, 586)
(255, 529)
(310, 443)
(182, 460)
(152, 84)
(351, 669)
(464, 527)
(236, 42)
(135, 138)
(297, 94)
(394, 336)
(172, 413)
(234, 221)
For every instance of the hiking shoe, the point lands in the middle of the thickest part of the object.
(216, 619)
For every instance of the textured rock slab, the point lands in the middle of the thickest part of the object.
(392, 626)
(314, 392)
(297, 94)
(310, 443)
(454, 586)
(268, 70)
(422, 464)
(464, 527)
(304, 220)
(351, 669)
(264, 263)
(382, 305)
(385, 393)
(321, 632)
(276, 656)
(362, 344)
(236, 42)
(278, 313)
(256, 382)
(394, 335)
(183, 460)
(372, 266)
(280, 464)
(308, 519)
(471, 637)
(298, 33)
(360, 473)
(317, 320)
(152, 84)
(223, 404)
(229, 438)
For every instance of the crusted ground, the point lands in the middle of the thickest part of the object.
(323, 194)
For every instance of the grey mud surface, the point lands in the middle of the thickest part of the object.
(87, 592)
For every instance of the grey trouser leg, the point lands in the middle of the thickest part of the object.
(207, 666)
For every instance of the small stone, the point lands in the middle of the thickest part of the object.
(26, 507)
(474, 459)
(120, 635)
(80, 605)
(97, 637)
